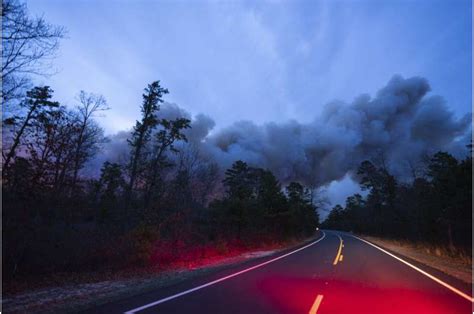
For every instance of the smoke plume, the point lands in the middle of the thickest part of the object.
(400, 124)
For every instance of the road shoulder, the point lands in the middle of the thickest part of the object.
(459, 268)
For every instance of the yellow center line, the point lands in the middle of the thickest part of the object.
(317, 302)
(338, 251)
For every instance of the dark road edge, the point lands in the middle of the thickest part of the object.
(417, 266)
(198, 275)
(274, 259)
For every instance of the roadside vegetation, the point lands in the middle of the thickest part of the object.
(155, 209)
(457, 264)
(431, 209)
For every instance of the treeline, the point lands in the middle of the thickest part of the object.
(161, 201)
(435, 208)
(256, 206)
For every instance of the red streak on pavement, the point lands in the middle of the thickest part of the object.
(179, 254)
(296, 295)
(290, 295)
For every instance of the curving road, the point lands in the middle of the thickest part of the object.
(337, 273)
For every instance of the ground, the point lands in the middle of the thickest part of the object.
(457, 265)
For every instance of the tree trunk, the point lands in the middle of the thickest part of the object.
(77, 156)
(16, 141)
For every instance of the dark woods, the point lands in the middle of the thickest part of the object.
(434, 208)
(145, 210)
(256, 206)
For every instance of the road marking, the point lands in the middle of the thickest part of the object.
(174, 296)
(317, 302)
(338, 251)
(446, 285)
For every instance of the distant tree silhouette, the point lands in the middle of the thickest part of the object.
(435, 209)
(110, 185)
(256, 204)
(88, 135)
(303, 213)
(142, 130)
(171, 131)
(37, 105)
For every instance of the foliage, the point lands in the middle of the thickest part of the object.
(255, 205)
(142, 131)
(157, 206)
(435, 209)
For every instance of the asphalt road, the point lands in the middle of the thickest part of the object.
(337, 273)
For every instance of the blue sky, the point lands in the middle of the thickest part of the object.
(256, 60)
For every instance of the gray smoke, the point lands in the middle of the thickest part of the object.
(401, 124)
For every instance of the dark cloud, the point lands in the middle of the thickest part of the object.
(400, 122)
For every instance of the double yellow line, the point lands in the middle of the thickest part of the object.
(319, 298)
(339, 255)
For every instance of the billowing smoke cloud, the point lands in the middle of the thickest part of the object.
(400, 123)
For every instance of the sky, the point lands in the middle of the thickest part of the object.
(263, 61)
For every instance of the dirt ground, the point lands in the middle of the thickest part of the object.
(457, 265)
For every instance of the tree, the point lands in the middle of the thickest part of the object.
(202, 170)
(110, 184)
(303, 212)
(88, 134)
(239, 187)
(238, 181)
(443, 170)
(382, 196)
(171, 131)
(36, 104)
(297, 193)
(269, 192)
(49, 144)
(142, 129)
(355, 212)
(27, 46)
(335, 219)
(369, 176)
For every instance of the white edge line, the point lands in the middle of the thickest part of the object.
(174, 296)
(446, 285)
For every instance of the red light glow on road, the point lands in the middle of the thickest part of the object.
(297, 295)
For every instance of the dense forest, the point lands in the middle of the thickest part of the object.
(151, 209)
(434, 207)
(57, 220)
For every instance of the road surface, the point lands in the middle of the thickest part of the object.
(337, 273)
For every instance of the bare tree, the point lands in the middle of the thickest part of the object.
(28, 44)
(88, 135)
(49, 144)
